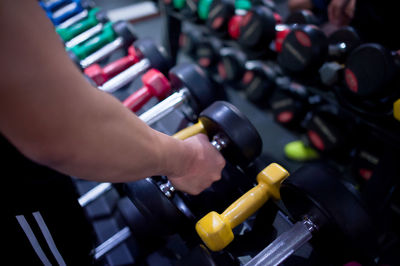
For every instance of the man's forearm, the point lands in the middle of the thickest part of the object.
(51, 114)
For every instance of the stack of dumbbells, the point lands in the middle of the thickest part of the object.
(337, 94)
(334, 94)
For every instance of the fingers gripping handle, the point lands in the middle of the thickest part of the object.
(216, 230)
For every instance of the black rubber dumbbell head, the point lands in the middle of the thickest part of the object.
(207, 52)
(245, 143)
(346, 35)
(257, 29)
(302, 17)
(158, 57)
(258, 82)
(304, 49)
(232, 64)
(123, 29)
(220, 13)
(343, 220)
(193, 78)
(160, 213)
(188, 40)
(102, 17)
(369, 70)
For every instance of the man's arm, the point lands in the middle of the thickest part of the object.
(53, 116)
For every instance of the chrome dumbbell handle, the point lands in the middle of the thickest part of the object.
(74, 19)
(111, 243)
(102, 53)
(165, 107)
(84, 35)
(285, 245)
(94, 194)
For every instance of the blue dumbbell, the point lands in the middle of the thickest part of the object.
(58, 13)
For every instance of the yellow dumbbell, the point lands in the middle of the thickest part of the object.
(396, 110)
(216, 229)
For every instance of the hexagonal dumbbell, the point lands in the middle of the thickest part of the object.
(100, 75)
(113, 36)
(216, 229)
(151, 56)
(155, 85)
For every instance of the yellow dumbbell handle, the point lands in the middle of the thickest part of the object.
(246, 205)
(190, 131)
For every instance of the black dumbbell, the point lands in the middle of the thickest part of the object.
(230, 132)
(231, 65)
(330, 131)
(207, 53)
(258, 82)
(189, 39)
(371, 79)
(330, 215)
(290, 103)
(260, 26)
(221, 11)
(306, 48)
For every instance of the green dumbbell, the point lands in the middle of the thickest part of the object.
(114, 36)
(204, 9)
(94, 17)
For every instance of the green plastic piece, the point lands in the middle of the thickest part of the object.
(86, 48)
(204, 9)
(243, 4)
(70, 32)
(178, 4)
(297, 151)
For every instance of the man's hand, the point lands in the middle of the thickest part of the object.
(202, 169)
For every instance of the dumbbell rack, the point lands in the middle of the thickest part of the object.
(384, 127)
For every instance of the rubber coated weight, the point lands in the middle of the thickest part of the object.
(192, 77)
(121, 28)
(302, 17)
(188, 41)
(220, 13)
(257, 28)
(369, 70)
(342, 219)
(155, 84)
(231, 65)
(94, 17)
(163, 216)
(258, 82)
(304, 50)
(147, 48)
(342, 42)
(100, 75)
(286, 109)
(244, 141)
(327, 132)
(207, 52)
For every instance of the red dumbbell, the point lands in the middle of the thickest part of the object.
(101, 75)
(155, 85)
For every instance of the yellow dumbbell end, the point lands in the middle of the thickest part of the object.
(396, 110)
(216, 229)
(273, 176)
(190, 131)
(215, 233)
